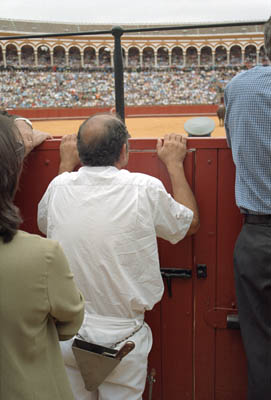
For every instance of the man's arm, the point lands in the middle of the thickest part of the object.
(31, 137)
(172, 152)
(69, 159)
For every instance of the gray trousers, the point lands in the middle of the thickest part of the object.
(252, 268)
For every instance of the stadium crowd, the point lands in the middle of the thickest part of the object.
(66, 88)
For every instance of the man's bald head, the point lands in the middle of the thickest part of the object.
(94, 127)
(100, 140)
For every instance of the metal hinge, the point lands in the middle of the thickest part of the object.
(201, 271)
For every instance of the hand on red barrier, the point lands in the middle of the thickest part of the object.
(173, 151)
(31, 137)
(69, 157)
(39, 137)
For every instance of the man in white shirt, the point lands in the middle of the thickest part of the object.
(107, 220)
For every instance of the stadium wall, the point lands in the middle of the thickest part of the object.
(138, 111)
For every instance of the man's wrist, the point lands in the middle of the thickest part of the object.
(65, 167)
(175, 167)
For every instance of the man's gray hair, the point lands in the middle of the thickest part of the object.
(105, 149)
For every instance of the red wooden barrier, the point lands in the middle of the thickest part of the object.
(195, 354)
(84, 112)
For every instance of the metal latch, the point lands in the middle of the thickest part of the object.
(201, 271)
(169, 273)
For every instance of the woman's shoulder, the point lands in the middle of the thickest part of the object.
(32, 254)
(34, 242)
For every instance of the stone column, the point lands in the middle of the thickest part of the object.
(4, 58)
(67, 57)
(184, 58)
(242, 56)
(36, 57)
(141, 58)
(228, 57)
(52, 57)
(169, 58)
(125, 58)
(19, 58)
(155, 58)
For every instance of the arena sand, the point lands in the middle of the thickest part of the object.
(147, 127)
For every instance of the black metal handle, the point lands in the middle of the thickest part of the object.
(180, 273)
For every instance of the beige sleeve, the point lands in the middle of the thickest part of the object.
(66, 302)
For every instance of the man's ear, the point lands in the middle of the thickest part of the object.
(124, 148)
(124, 154)
(123, 158)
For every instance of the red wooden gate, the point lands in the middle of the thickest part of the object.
(196, 353)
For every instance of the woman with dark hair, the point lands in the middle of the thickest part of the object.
(39, 302)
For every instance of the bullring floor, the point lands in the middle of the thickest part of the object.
(147, 127)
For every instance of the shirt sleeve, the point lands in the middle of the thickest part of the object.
(172, 220)
(226, 119)
(66, 302)
(43, 211)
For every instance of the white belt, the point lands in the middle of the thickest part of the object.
(109, 331)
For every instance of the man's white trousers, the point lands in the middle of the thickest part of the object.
(125, 382)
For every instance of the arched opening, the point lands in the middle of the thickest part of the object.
(177, 57)
(90, 57)
(133, 57)
(250, 55)
(44, 55)
(221, 55)
(148, 57)
(12, 55)
(206, 56)
(104, 57)
(191, 57)
(74, 57)
(162, 57)
(1, 57)
(235, 55)
(27, 55)
(59, 56)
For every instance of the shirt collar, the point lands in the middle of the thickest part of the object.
(109, 168)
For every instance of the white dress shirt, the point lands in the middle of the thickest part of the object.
(107, 221)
